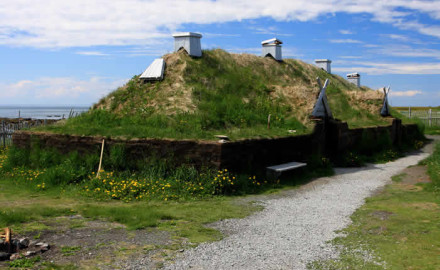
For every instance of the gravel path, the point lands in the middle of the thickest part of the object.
(292, 230)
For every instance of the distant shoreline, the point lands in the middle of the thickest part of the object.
(40, 112)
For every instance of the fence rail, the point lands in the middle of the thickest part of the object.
(428, 117)
(24, 121)
(7, 128)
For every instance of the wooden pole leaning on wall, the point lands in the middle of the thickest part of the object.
(100, 159)
(268, 122)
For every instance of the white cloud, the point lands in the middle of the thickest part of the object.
(407, 51)
(58, 90)
(271, 30)
(92, 53)
(378, 68)
(352, 41)
(54, 23)
(350, 57)
(346, 32)
(220, 35)
(396, 37)
(251, 50)
(371, 46)
(409, 93)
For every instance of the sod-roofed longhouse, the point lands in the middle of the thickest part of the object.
(232, 94)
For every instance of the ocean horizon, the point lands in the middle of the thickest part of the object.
(40, 111)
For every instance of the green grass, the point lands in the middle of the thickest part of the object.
(25, 210)
(229, 97)
(70, 250)
(398, 178)
(46, 170)
(434, 130)
(433, 164)
(25, 263)
(183, 201)
(421, 108)
(397, 229)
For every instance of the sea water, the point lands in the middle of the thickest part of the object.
(40, 112)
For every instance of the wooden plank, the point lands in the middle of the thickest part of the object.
(287, 166)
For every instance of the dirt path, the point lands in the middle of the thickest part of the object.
(293, 228)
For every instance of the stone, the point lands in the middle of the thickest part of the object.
(45, 247)
(30, 253)
(4, 256)
(15, 256)
(24, 242)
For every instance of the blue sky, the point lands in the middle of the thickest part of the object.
(59, 53)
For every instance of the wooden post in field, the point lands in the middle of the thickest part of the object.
(430, 117)
(100, 159)
(409, 112)
(3, 133)
(268, 122)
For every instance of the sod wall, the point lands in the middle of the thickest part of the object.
(329, 139)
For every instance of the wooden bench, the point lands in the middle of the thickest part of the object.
(273, 172)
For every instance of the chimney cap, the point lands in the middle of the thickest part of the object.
(272, 41)
(187, 34)
(352, 75)
(323, 60)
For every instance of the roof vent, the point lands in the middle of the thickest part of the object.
(272, 47)
(325, 64)
(155, 71)
(189, 41)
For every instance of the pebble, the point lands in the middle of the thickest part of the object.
(45, 247)
(24, 242)
(15, 256)
(30, 253)
(293, 229)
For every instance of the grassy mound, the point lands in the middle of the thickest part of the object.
(223, 93)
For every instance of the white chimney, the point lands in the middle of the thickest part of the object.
(189, 41)
(325, 64)
(272, 47)
(354, 78)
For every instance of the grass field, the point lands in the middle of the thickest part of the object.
(34, 199)
(396, 229)
(416, 113)
(23, 209)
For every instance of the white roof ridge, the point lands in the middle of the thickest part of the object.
(272, 40)
(187, 34)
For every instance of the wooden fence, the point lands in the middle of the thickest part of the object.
(429, 117)
(7, 128)
(9, 125)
